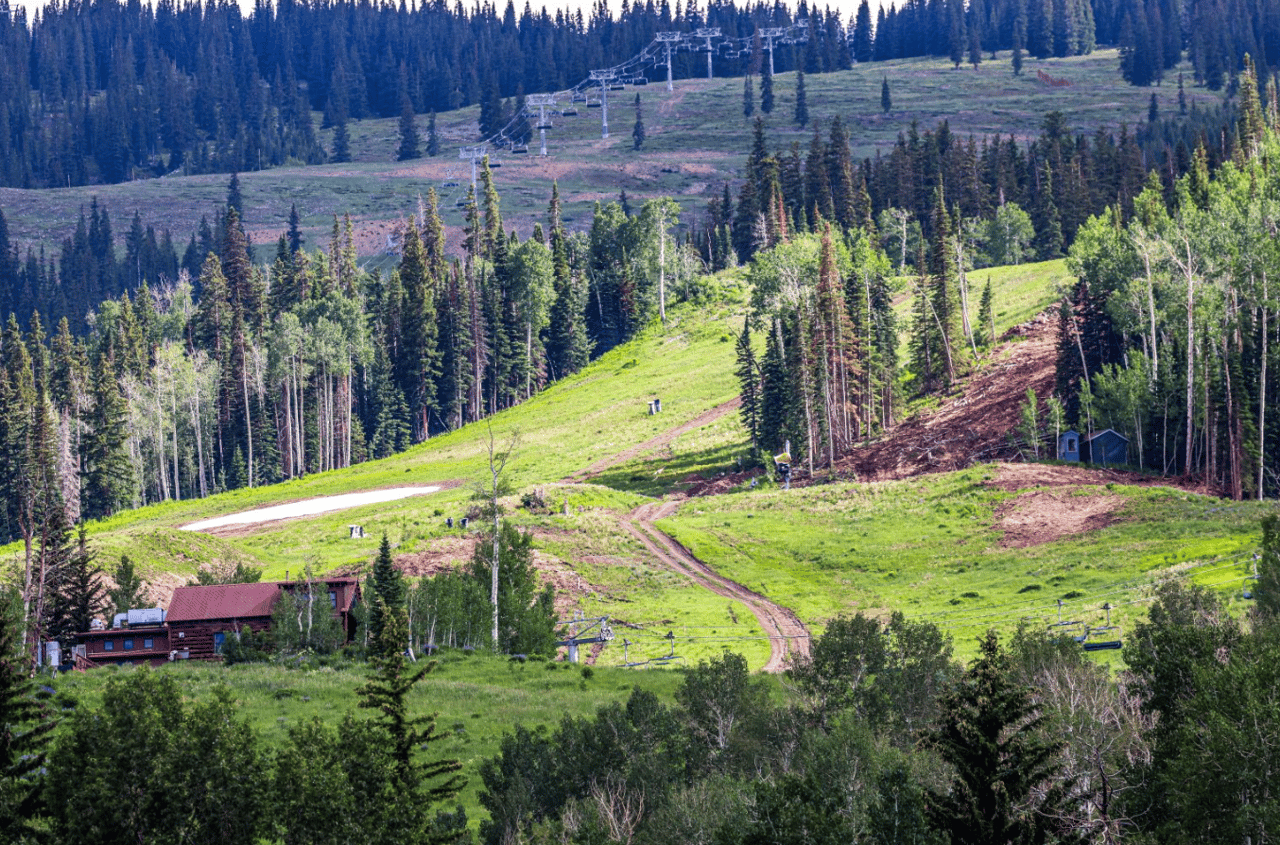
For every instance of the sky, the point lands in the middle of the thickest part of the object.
(846, 8)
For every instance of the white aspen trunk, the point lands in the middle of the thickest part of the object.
(162, 475)
(964, 296)
(1151, 316)
(528, 357)
(173, 409)
(195, 423)
(662, 265)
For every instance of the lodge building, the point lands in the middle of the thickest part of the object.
(198, 620)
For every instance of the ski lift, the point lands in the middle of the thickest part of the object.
(572, 111)
(544, 126)
(519, 149)
(1102, 637)
(579, 97)
(617, 86)
(640, 80)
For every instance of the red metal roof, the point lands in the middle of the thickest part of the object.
(346, 598)
(222, 601)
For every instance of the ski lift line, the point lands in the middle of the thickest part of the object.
(1119, 586)
(981, 617)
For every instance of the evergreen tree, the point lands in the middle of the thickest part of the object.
(108, 475)
(637, 132)
(341, 143)
(128, 593)
(1007, 785)
(1019, 40)
(410, 143)
(748, 373)
(748, 96)
(388, 619)
(766, 89)
(81, 596)
(886, 101)
(433, 137)
(802, 106)
(294, 233)
(985, 331)
(25, 727)
(399, 809)
(863, 49)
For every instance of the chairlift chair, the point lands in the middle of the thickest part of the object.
(519, 149)
(572, 111)
(1102, 639)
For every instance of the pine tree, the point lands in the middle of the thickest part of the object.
(802, 105)
(81, 596)
(129, 592)
(886, 101)
(637, 132)
(1008, 785)
(108, 475)
(388, 618)
(985, 331)
(295, 233)
(25, 728)
(1019, 40)
(748, 373)
(433, 137)
(410, 143)
(766, 89)
(748, 96)
(863, 48)
(341, 143)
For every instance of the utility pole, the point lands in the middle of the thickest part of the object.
(604, 77)
(708, 33)
(541, 101)
(666, 39)
(473, 154)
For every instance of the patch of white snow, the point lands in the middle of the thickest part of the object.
(309, 507)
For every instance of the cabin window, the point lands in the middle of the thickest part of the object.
(1071, 444)
(108, 645)
(128, 645)
(219, 640)
(333, 599)
(148, 643)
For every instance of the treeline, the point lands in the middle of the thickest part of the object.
(1057, 181)
(244, 376)
(1169, 336)
(109, 92)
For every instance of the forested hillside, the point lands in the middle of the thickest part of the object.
(103, 92)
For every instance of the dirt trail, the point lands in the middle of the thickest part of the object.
(705, 418)
(787, 631)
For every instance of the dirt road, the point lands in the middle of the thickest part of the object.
(705, 418)
(785, 629)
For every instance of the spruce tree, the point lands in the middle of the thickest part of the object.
(637, 132)
(386, 594)
(410, 143)
(81, 597)
(129, 592)
(802, 105)
(863, 47)
(25, 728)
(295, 233)
(748, 96)
(748, 373)
(1007, 785)
(108, 475)
(986, 328)
(886, 101)
(1019, 40)
(433, 137)
(341, 143)
(766, 89)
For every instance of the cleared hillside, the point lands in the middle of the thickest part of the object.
(697, 139)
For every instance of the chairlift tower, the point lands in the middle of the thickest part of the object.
(604, 77)
(542, 101)
(666, 39)
(708, 32)
(473, 154)
(579, 628)
(768, 34)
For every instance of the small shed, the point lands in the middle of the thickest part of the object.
(1106, 448)
(1069, 446)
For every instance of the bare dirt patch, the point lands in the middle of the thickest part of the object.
(1042, 516)
(449, 554)
(975, 419)
(1014, 477)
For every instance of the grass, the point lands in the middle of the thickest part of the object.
(697, 140)
(927, 547)
(476, 698)
(596, 413)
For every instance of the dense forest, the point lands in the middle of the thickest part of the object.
(1168, 335)
(104, 92)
